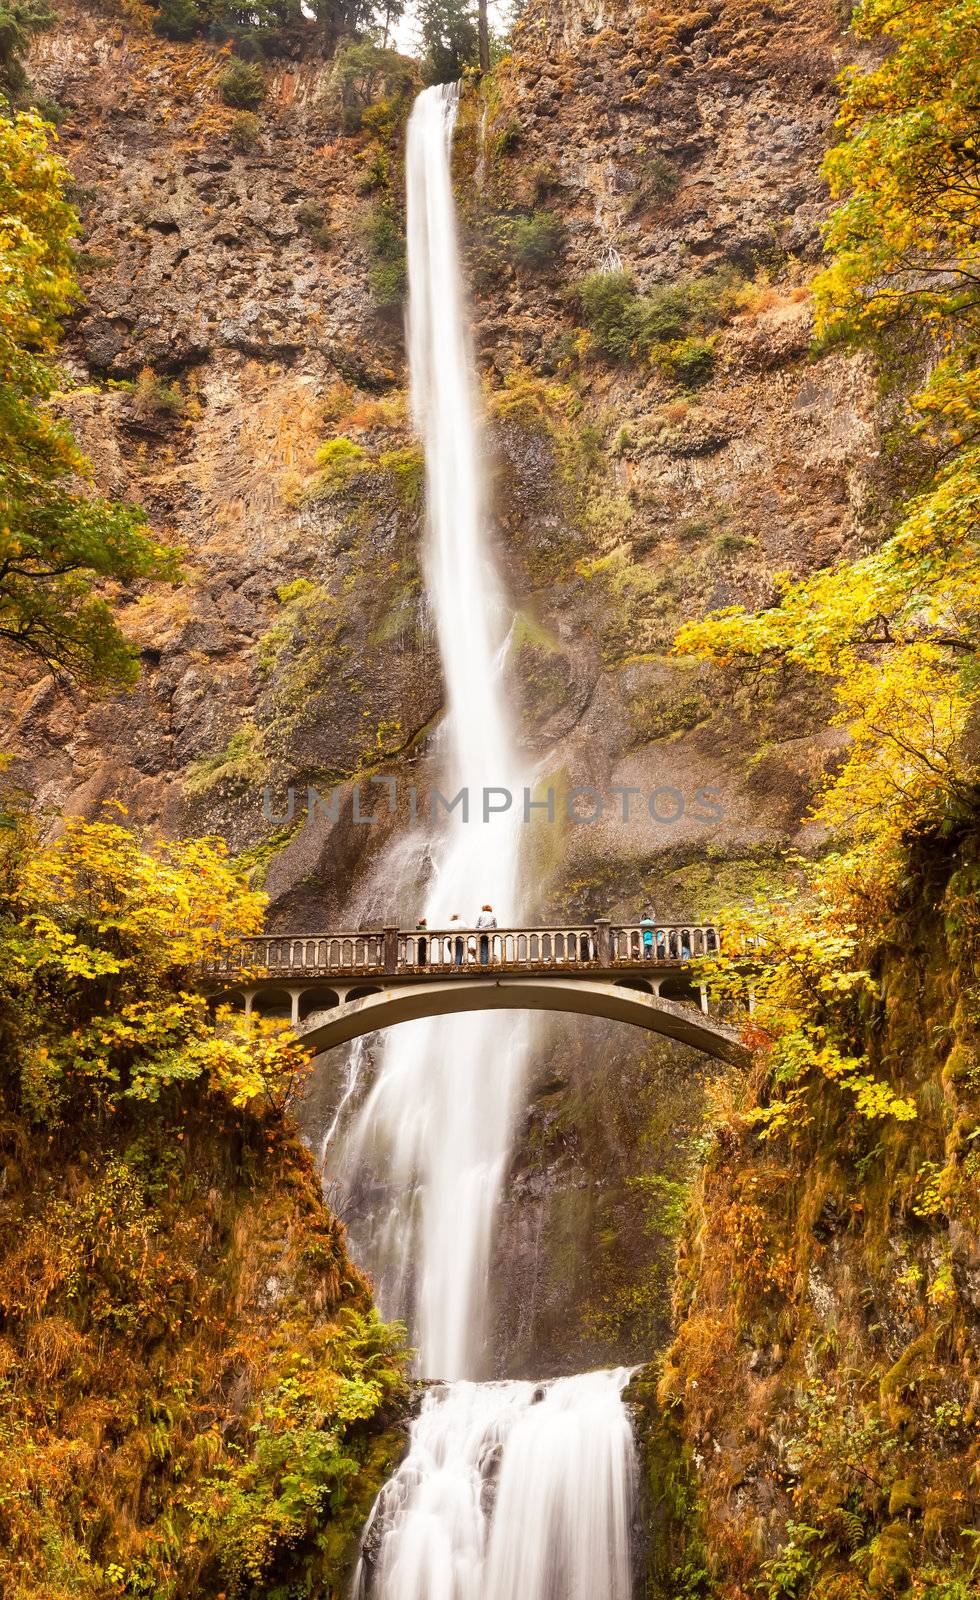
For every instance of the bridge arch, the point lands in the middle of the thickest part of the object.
(315, 1000)
(273, 1003)
(396, 1003)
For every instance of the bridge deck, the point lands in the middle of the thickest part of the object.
(444, 953)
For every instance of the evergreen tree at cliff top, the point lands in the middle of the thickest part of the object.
(56, 540)
(270, 27)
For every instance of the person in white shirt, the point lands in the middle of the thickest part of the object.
(486, 919)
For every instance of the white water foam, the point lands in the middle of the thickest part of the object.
(509, 1491)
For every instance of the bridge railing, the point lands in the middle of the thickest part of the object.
(497, 947)
(600, 945)
(636, 942)
(303, 954)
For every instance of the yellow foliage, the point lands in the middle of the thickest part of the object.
(101, 947)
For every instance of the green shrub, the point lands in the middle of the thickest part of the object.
(729, 544)
(612, 310)
(375, 177)
(46, 106)
(659, 180)
(387, 275)
(690, 362)
(339, 461)
(244, 132)
(536, 241)
(178, 19)
(242, 85)
(314, 222)
(627, 325)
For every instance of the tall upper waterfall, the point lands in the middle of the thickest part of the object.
(509, 1491)
(438, 1120)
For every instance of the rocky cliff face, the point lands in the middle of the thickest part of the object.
(237, 282)
(234, 324)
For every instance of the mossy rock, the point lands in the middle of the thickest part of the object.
(676, 1557)
(904, 1496)
(891, 1560)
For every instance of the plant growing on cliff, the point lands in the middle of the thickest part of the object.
(57, 545)
(897, 632)
(657, 182)
(667, 325)
(366, 74)
(19, 21)
(169, 1275)
(845, 1037)
(242, 85)
(536, 242)
(245, 132)
(387, 275)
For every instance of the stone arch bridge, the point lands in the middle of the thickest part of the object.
(336, 986)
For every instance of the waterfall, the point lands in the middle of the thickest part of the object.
(509, 1491)
(438, 1120)
(514, 1490)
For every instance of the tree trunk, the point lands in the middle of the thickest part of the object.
(484, 38)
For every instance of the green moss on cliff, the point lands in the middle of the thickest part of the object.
(675, 1554)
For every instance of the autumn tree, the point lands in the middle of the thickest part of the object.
(101, 941)
(58, 543)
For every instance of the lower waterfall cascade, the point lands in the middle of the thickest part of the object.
(515, 1490)
(508, 1490)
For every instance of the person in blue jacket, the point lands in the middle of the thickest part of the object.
(646, 923)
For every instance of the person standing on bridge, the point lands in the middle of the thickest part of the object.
(456, 945)
(486, 919)
(646, 924)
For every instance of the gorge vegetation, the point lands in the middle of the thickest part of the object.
(196, 1393)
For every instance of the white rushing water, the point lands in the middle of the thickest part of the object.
(509, 1491)
(438, 1119)
(516, 1490)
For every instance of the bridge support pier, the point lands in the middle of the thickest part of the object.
(704, 999)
